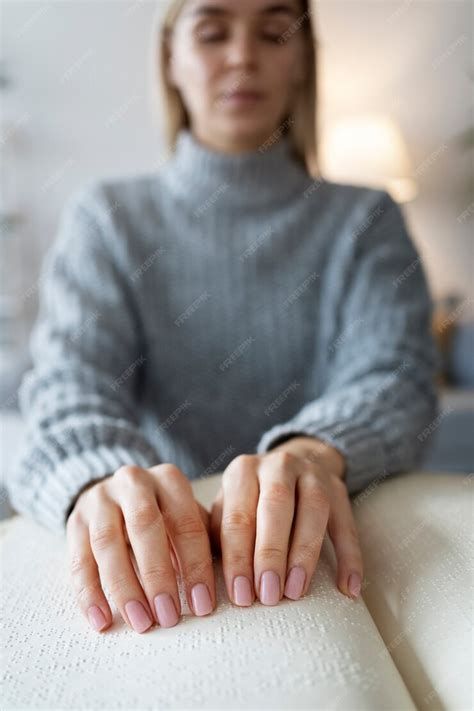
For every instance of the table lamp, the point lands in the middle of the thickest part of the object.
(370, 150)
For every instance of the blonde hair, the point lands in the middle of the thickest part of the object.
(301, 125)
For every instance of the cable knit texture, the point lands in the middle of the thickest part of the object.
(217, 307)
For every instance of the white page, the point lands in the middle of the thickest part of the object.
(321, 652)
(417, 536)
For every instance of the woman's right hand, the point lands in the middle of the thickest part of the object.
(135, 531)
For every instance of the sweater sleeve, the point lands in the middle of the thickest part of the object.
(79, 399)
(380, 391)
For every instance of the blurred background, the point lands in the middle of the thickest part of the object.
(395, 110)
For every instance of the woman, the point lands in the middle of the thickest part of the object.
(231, 312)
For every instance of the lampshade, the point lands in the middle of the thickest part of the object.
(368, 150)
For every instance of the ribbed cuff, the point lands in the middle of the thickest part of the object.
(360, 446)
(46, 495)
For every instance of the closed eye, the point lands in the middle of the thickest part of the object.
(271, 37)
(274, 37)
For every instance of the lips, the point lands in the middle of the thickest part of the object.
(241, 95)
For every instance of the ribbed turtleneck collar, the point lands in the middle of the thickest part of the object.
(261, 177)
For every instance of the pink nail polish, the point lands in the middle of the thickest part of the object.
(96, 617)
(354, 584)
(242, 591)
(201, 599)
(166, 610)
(138, 616)
(270, 588)
(295, 583)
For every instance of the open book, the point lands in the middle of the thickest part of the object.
(324, 651)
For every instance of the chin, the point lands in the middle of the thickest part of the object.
(247, 129)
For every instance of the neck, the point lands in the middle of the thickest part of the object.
(233, 145)
(263, 176)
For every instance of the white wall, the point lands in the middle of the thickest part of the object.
(412, 59)
(81, 107)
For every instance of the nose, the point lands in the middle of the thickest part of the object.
(242, 51)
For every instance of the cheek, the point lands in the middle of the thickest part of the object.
(283, 70)
(197, 70)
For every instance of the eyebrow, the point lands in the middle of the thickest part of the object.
(218, 11)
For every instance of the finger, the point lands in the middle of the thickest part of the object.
(240, 491)
(174, 560)
(189, 535)
(172, 553)
(312, 513)
(215, 523)
(113, 559)
(205, 515)
(149, 541)
(85, 575)
(343, 532)
(275, 510)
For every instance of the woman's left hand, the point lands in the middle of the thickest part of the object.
(270, 517)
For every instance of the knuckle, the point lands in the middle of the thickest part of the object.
(241, 461)
(169, 470)
(143, 516)
(74, 518)
(155, 574)
(315, 497)
(198, 568)
(270, 552)
(128, 473)
(95, 495)
(87, 592)
(237, 559)
(238, 519)
(308, 550)
(102, 537)
(118, 583)
(277, 492)
(281, 458)
(188, 526)
(78, 564)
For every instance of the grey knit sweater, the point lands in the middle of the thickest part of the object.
(213, 308)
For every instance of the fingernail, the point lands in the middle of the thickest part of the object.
(295, 582)
(242, 591)
(96, 617)
(270, 588)
(138, 616)
(166, 610)
(354, 584)
(201, 599)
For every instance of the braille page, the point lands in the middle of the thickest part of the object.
(419, 575)
(321, 652)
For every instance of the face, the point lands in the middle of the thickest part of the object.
(238, 67)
